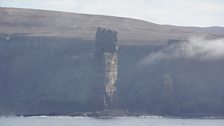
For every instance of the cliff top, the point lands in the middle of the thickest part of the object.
(131, 31)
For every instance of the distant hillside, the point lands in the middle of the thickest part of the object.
(51, 23)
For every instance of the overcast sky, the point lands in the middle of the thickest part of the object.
(174, 12)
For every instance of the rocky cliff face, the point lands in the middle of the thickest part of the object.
(169, 85)
(44, 75)
(48, 75)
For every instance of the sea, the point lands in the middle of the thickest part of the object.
(108, 121)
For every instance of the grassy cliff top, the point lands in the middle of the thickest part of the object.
(131, 31)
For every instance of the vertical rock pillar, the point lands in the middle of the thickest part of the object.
(106, 59)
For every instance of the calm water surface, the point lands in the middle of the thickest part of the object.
(118, 121)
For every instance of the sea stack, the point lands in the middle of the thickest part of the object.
(106, 61)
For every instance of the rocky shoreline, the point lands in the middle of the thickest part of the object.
(125, 113)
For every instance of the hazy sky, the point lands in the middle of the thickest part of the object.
(175, 12)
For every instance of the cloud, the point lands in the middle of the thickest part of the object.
(197, 47)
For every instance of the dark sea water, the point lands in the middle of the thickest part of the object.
(118, 121)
